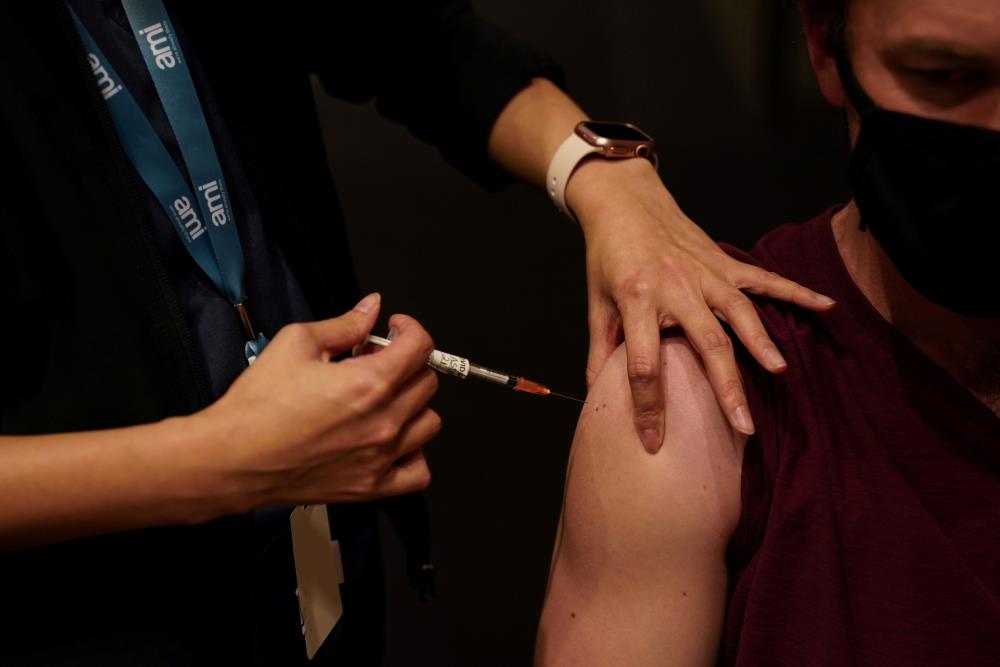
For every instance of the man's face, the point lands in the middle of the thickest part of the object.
(932, 58)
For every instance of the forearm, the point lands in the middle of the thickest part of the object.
(531, 128)
(60, 487)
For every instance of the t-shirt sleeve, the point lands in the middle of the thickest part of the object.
(767, 399)
(432, 65)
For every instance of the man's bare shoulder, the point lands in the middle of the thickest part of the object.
(700, 457)
(641, 547)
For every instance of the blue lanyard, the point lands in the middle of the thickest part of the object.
(204, 221)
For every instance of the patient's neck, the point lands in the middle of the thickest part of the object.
(968, 348)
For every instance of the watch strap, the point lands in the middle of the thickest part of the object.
(563, 164)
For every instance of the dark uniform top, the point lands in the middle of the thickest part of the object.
(106, 321)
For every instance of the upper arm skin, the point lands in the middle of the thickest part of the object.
(638, 574)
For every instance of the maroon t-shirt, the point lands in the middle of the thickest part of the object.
(870, 528)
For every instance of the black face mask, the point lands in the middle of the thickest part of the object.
(929, 191)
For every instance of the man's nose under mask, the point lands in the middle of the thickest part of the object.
(929, 191)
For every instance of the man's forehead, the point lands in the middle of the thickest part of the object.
(960, 29)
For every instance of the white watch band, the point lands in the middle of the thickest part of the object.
(562, 166)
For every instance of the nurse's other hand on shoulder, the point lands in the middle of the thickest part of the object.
(649, 267)
(299, 429)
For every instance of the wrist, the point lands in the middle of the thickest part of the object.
(197, 474)
(599, 184)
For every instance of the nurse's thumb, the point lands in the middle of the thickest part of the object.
(342, 333)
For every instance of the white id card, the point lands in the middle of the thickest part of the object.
(319, 572)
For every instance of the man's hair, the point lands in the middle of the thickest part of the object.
(831, 17)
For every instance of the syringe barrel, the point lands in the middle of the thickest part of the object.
(489, 375)
(450, 363)
(460, 367)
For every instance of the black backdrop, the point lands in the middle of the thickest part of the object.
(746, 144)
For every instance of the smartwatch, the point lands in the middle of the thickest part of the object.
(609, 140)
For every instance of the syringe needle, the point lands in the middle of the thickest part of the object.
(578, 400)
(530, 387)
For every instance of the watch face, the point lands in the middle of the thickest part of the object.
(616, 131)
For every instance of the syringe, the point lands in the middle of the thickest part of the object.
(462, 368)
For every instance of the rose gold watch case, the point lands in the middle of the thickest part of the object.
(619, 148)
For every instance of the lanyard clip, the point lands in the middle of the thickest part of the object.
(245, 320)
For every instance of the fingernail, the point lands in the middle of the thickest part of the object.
(773, 359)
(651, 440)
(367, 304)
(741, 418)
(393, 332)
(825, 300)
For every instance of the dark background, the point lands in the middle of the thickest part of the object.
(746, 144)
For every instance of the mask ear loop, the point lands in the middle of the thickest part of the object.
(862, 102)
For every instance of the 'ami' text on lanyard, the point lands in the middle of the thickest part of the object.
(204, 221)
